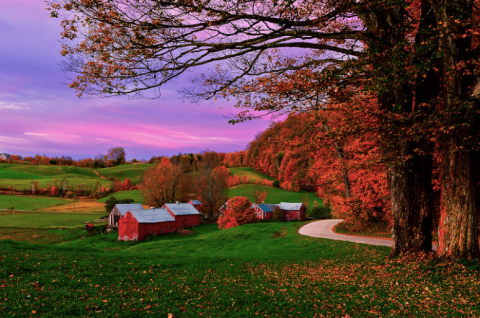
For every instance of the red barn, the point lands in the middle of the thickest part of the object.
(264, 211)
(185, 214)
(292, 210)
(196, 203)
(137, 224)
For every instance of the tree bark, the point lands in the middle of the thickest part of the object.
(410, 186)
(458, 221)
(458, 236)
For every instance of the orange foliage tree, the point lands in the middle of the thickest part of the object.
(239, 212)
(165, 183)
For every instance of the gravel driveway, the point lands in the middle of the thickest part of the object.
(323, 229)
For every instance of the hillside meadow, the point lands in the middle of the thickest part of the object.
(264, 270)
(132, 171)
(19, 176)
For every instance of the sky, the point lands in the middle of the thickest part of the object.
(40, 114)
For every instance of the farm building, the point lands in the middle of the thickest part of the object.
(136, 224)
(196, 203)
(119, 210)
(292, 210)
(264, 211)
(5, 156)
(185, 214)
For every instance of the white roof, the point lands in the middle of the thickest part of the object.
(182, 208)
(152, 215)
(290, 206)
(123, 208)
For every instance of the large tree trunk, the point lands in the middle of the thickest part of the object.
(410, 186)
(410, 177)
(458, 221)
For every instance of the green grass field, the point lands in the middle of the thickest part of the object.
(252, 175)
(136, 195)
(122, 172)
(274, 195)
(19, 176)
(29, 203)
(264, 270)
(42, 220)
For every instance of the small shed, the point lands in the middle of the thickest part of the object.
(292, 210)
(264, 211)
(119, 210)
(196, 203)
(185, 214)
(137, 224)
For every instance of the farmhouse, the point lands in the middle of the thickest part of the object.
(196, 203)
(119, 210)
(264, 211)
(137, 224)
(185, 214)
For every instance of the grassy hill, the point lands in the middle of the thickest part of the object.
(252, 175)
(265, 270)
(19, 176)
(122, 172)
(30, 202)
(136, 195)
(47, 220)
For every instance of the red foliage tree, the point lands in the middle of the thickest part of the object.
(239, 212)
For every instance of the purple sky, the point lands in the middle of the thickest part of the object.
(40, 115)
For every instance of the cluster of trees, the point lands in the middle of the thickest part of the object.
(408, 67)
(115, 156)
(171, 181)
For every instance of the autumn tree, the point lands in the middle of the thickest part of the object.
(165, 183)
(239, 212)
(259, 195)
(116, 155)
(382, 47)
(211, 185)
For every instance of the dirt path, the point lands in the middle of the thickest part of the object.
(323, 229)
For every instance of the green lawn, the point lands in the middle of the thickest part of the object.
(19, 176)
(136, 195)
(122, 172)
(264, 270)
(275, 195)
(41, 220)
(29, 203)
(252, 175)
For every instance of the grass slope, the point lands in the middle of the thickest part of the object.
(261, 270)
(136, 195)
(250, 173)
(275, 195)
(29, 203)
(19, 176)
(42, 220)
(122, 172)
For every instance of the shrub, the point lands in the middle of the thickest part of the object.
(276, 183)
(277, 213)
(322, 212)
(111, 201)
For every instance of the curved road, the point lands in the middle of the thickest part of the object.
(323, 229)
